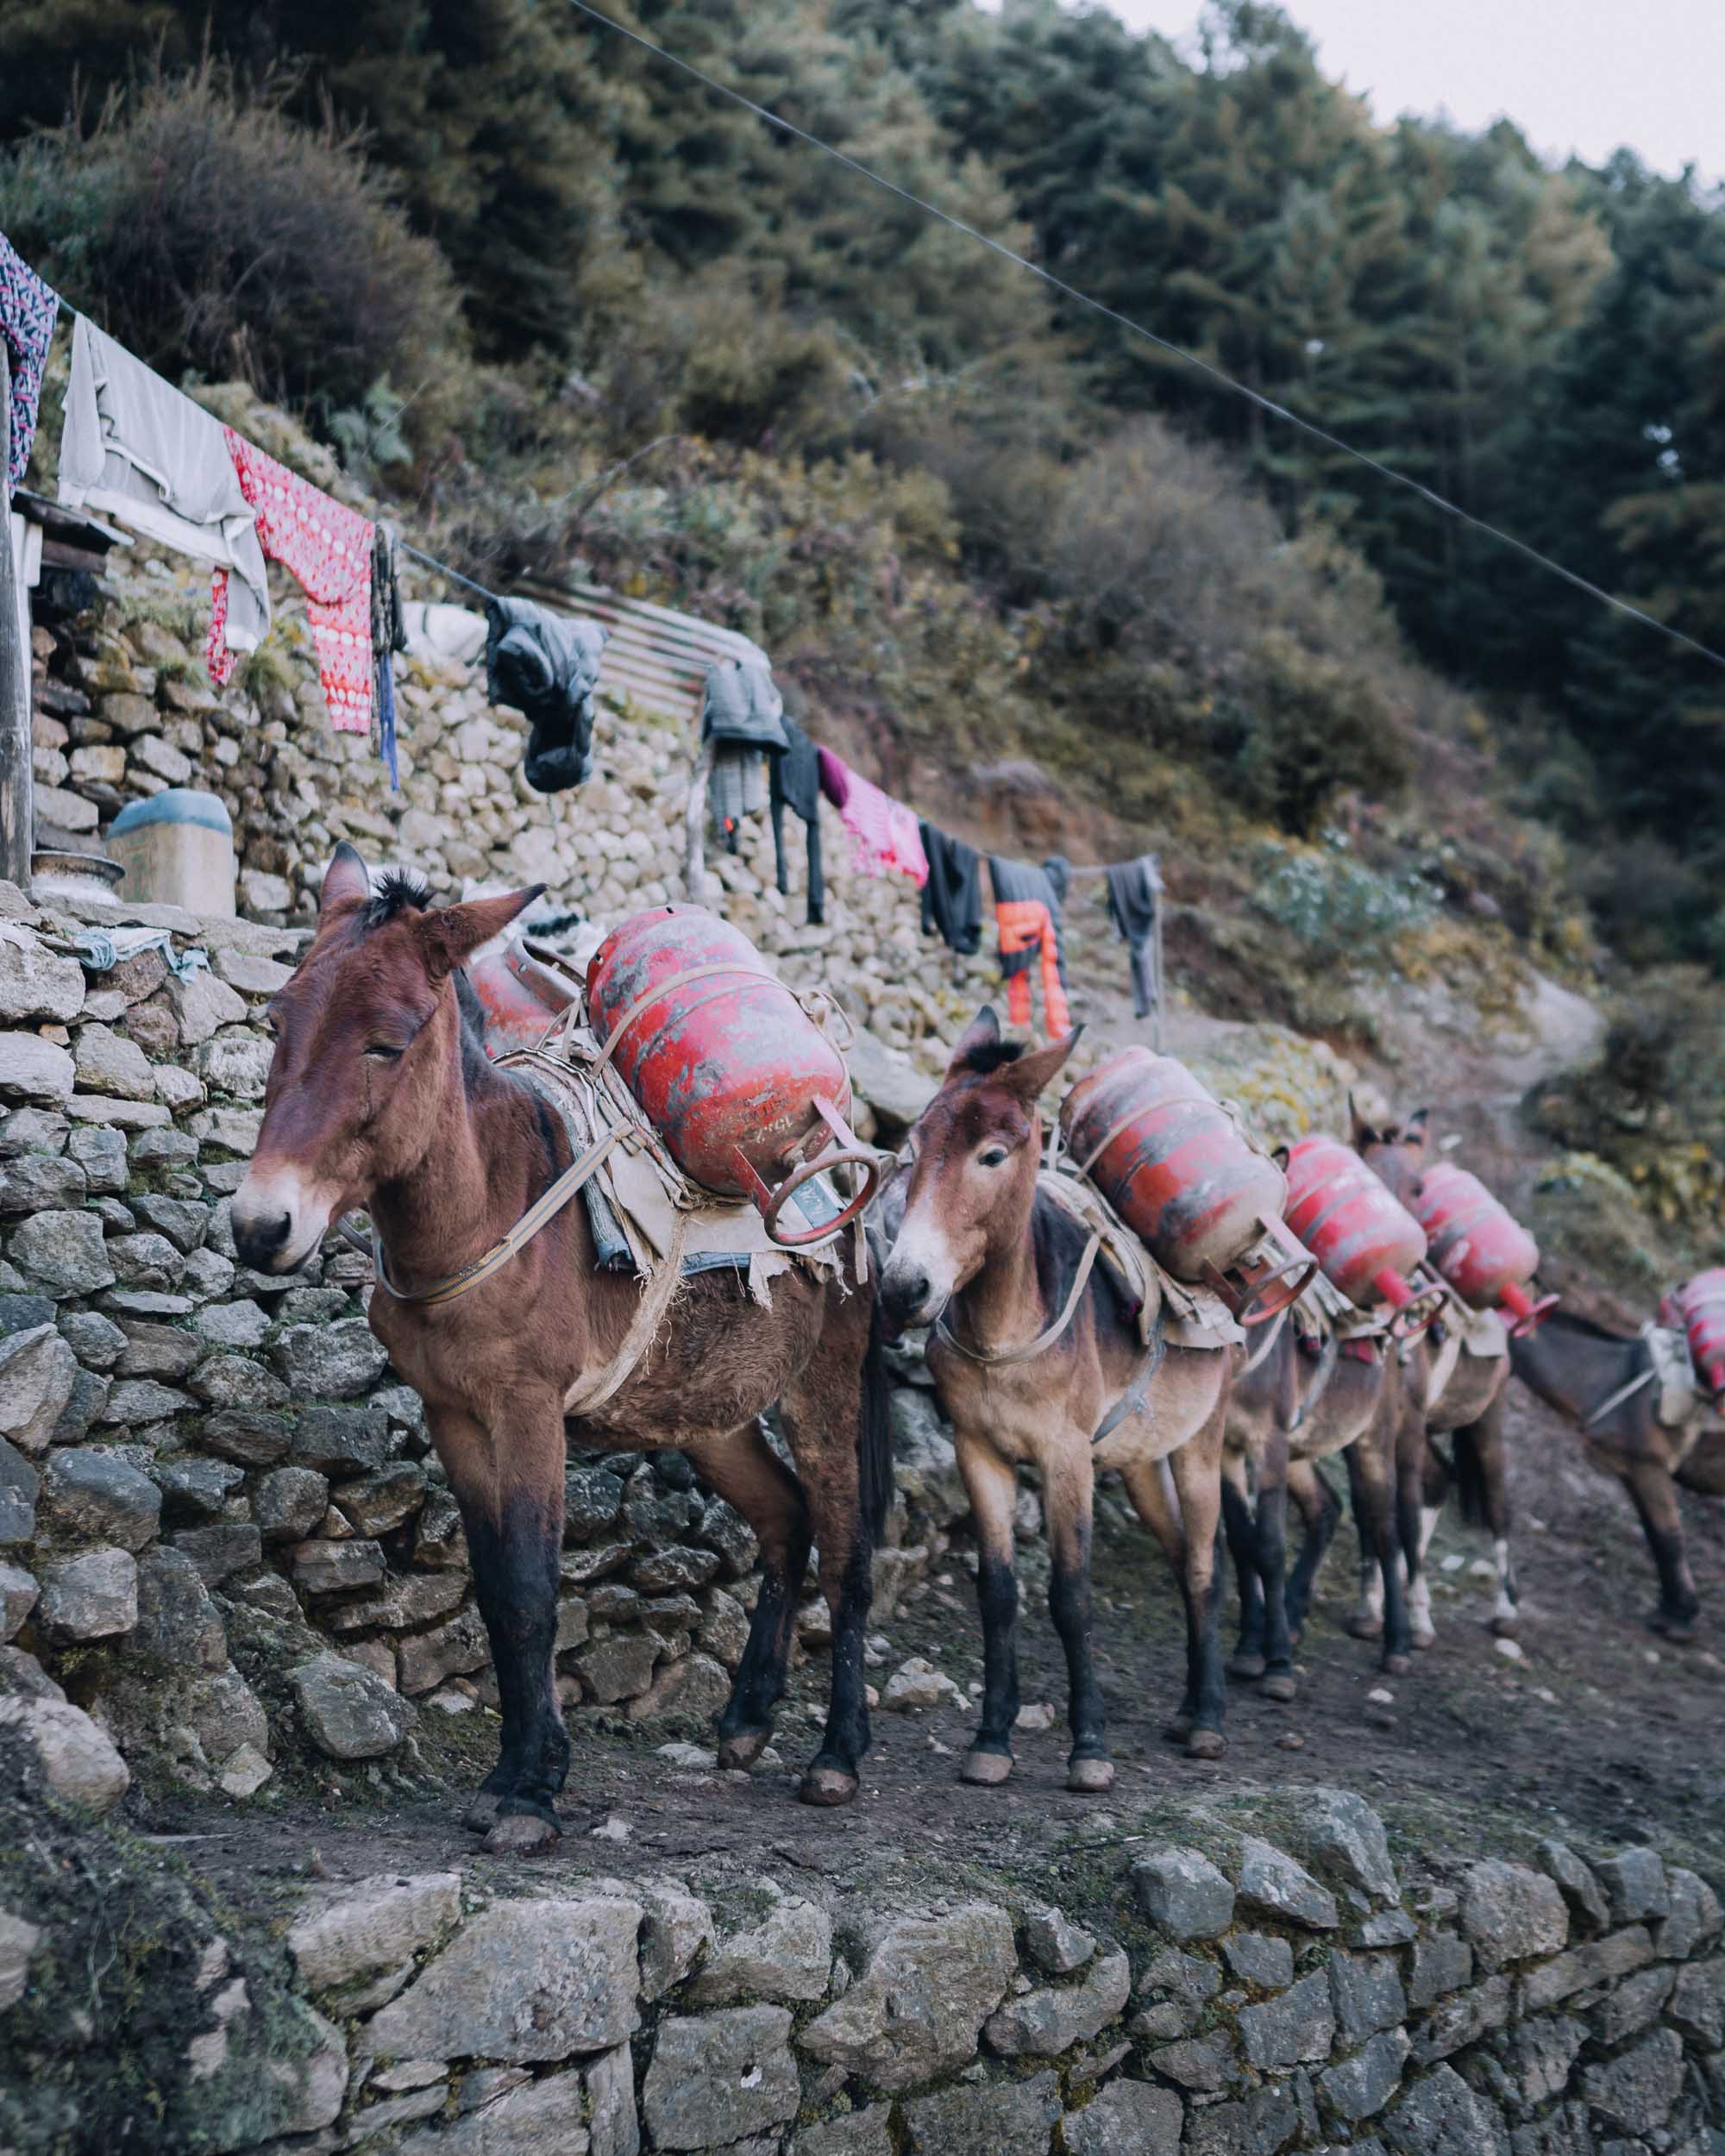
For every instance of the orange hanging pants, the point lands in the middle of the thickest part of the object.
(1025, 927)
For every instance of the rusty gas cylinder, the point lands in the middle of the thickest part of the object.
(1487, 1256)
(521, 995)
(733, 1074)
(1182, 1176)
(1365, 1239)
(1699, 1306)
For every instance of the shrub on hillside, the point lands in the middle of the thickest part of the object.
(208, 231)
(1334, 902)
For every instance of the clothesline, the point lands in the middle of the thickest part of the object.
(136, 447)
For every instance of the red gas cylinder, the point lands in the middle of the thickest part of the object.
(1485, 1256)
(1182, 1174)
(735, 1076)
(1365, 1239)
(1699, 1306)
(522, 994)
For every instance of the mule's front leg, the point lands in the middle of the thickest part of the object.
(1655, 1494)
(510, 1488)
(745, 1471)
(1068, 1495)
(1241, 1528)
(992, 1485)
(1375, 1496)
(1320, 1509)
(1196, 1469)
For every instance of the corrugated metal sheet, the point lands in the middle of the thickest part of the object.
(654, 658)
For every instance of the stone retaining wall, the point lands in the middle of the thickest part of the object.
(1220, 1994)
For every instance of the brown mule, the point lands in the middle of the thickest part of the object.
(1456, 1396)
(1579, 1367)
(381, 1096)
(979, 1248)
(1286, 1412)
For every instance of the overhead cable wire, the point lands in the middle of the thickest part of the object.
(1217, 374)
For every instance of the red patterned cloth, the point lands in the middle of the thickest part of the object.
(328, 548)
(883, 831)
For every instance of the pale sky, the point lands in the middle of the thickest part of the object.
(1583, 75)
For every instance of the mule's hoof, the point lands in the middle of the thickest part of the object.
(481, 1815)
(1428, 1639)
(987, 1770)
(1504, 1627)
(1246, 1667)
(1281, 1688)
(1361, 1627)
(1680, 1630)
(1090, 1777)
(1178, 1731)
(828, 1785)
(743, 1749)
(522, 1835)
(1206, 1743)
(1396, 1664)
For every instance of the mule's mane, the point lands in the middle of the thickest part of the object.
(992, 1056)
(398, 891)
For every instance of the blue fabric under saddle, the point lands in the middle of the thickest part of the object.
(818, 1200)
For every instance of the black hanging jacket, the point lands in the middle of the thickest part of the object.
(796, 786)
(952, 896)
(546, 666)
(1133, 887)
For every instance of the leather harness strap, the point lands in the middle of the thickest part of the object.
(545, 1207)
(1267, 1340)
(1043, 1339)
(1623, 1392)
(1149, 1362)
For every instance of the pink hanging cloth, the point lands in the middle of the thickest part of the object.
(883, 831)
(328, 548)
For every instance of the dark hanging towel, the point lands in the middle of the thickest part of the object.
(1134, 887)
(547, 666)
(952, 896)
(796, 787)
(389, 635)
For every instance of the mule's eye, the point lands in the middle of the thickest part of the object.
(993, 1157)
(381, 1052)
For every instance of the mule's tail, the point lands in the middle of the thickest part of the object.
(1473, 1481)
(875, 1435)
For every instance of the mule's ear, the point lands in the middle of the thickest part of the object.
(978, 1038)
(451, 936)
(347, 881)
(1413, 1130)
(1360, 1132)
(1037, 1067)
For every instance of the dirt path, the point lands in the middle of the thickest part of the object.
(1599, 1732)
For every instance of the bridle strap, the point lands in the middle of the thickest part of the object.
(1133, 1398)
(544, 1208)
(1623, 1392)
(1043, 1339)
(1270, 1335)
(1328, 1357)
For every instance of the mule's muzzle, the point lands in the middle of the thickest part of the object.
(260, 1242)
(908, 1299)
(278, 1219)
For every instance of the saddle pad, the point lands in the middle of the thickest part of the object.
(1673, 1374)
(636, 1198)
(1323, 1303)
(1191, 1317)
(1484, 1333)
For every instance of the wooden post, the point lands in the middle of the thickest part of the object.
(17, 806)
(1156, 949)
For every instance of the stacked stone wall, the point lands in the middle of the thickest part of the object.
(1269, 1974)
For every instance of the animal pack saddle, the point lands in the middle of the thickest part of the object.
(644, 1213)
